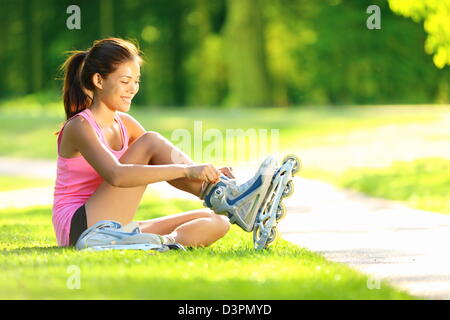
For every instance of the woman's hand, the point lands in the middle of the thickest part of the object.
(227, 172)
(203, 172)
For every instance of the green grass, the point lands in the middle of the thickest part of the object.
(27, 124)
(422, 184)
(33, 267)
(9, 183)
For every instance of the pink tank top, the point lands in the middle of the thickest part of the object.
(76, 180)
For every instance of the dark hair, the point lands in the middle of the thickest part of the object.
(103, 58)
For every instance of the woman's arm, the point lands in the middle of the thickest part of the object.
(83, 137)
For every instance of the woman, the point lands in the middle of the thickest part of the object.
(106, 158)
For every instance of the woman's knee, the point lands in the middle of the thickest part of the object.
(142, 149)
(152, 140)
(221, 224)
(157, 146)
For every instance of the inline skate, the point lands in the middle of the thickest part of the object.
(256, 204)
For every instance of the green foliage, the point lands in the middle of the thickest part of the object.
(292, 53)
(435, 15)
(422, 184)
(323, 53)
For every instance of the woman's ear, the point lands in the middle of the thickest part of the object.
(97, 80)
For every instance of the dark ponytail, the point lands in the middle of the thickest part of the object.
(74, 94)
(103, 58)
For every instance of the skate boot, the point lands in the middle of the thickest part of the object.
(110, 235)
(272, 209)
(240, 202)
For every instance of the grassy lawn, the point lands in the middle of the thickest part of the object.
(9, 183)
(422, 184)
(33, 267)
(27, 124)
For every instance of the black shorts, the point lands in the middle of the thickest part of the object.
(77, 225)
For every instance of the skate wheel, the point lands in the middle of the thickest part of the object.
(281, 211)
(272, 237)
(257, 236)
(297, 165)
(288, 190)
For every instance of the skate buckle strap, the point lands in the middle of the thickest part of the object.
(208, 196)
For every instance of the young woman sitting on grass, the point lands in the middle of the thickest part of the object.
(106, 158)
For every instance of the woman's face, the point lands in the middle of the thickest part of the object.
(119, 88)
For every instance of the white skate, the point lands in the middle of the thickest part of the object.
(256, 204)
(110, 235)
(240, 202)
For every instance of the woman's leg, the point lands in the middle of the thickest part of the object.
(120, 204)
(193, 228)
(169, 153)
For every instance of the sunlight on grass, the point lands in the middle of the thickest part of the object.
(9, 183)
(421, 184)
(33, 267)
(31, 124)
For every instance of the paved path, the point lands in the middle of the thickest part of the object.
(406, 247)
(384, 239)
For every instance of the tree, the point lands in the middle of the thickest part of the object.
(106, 18)
(436, 17)
(246, 58)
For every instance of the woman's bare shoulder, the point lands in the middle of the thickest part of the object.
(78, 129)
(76, 125)
(74, 129)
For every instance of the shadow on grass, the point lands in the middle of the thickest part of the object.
(225, 253)
(37, 250)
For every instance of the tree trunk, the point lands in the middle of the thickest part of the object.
(176, 45)
(246, 58)
(36, 55)
(4, 48)
(106, 18)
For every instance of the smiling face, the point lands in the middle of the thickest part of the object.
(119, 88)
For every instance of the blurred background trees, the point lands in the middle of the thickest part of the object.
(241, 52)
(435, 14)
